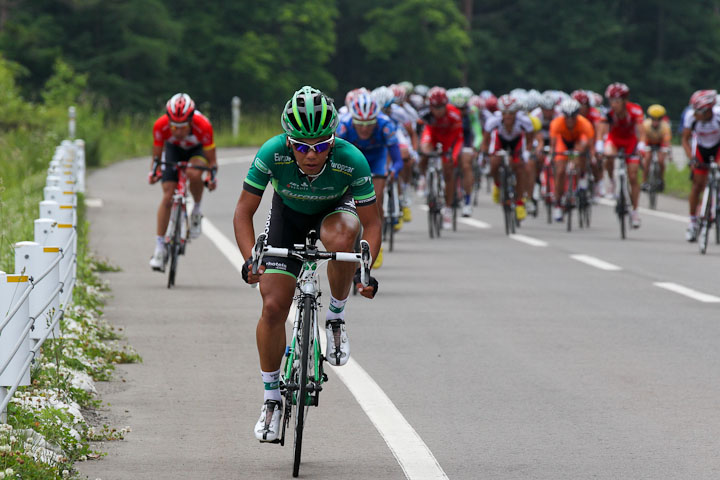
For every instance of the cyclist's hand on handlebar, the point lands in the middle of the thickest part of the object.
(211, 179)
(247, 274)
(372, 288)
(153, 177)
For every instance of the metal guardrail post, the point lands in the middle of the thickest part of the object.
(72, 113)
(236, 102)
(80, 165)
(34, 259)
(12, 288)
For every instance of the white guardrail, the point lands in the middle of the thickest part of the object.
(34, 298)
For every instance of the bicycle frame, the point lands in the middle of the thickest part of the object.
(303, 375)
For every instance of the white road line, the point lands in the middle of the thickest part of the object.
(467, 221)
(93, 202)
(596, 262)
(413, 455)
(653, 213)
(232, 160)
(474, 223)
(688, 292)
(535, 242)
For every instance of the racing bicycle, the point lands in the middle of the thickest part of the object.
(435, 192)
(177, 234)
(302, 375)
(709, 208)
(622, 205)
(508, 194)
(391, 210)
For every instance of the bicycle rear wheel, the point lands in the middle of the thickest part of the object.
(175, 246)
(705, 221)
(653, 183)
(301, 398)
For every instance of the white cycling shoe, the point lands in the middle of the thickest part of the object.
(267, 428)
(635, 218)
(337, 352)
(558, 214)
(195, 225)
(157, 261)
(467, 210)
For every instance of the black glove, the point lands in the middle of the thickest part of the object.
(246, 269)
(371, 281)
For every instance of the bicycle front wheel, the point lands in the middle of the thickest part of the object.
(302, 391)
(621, 208)
(175, 245)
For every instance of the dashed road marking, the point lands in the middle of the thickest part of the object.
(474, 222)
(410, 451)
(535, 242)
(688, 292)
(596, 262)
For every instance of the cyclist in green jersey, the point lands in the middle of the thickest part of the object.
(320, 183)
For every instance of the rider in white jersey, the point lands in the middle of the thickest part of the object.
(701, 142)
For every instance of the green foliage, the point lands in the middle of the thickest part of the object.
(137, 53)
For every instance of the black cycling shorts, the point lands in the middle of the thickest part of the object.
(172, 154)
(286, 227)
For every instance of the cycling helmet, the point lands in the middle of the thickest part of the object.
(596, 99)
(476, 101)
(459, 96)
(521, 96)
(547, 101)
(533, 99)
(569, 107)
(421, 90)
(399, 93)
(703, 99)
(656, 111)
(180, 108)
(309, 114)
(437, 96)
(508, 103)
(407, 86)
(364, 107)
(581, 96)
(486, 94)
(383, 96)
(617, 90)
(416, 101)
(491, 103)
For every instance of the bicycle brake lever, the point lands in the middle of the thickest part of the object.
(365, 257)
(258, 253)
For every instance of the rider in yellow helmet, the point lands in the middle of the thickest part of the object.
(657, 135)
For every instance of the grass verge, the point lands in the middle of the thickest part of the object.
(46, 432)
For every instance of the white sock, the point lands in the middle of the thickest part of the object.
(336, 309)
(160, 241)
(272, 385)
(196, 208)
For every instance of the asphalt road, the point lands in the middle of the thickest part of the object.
(509, 357)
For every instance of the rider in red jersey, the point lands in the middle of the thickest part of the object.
(181, 134)
(624, 120)
(443, 125)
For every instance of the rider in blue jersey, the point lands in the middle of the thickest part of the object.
(374, 134)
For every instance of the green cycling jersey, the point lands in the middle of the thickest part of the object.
(346, 168)
(476, 126)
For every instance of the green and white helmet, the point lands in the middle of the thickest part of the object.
(459, 96)
(309, 114)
